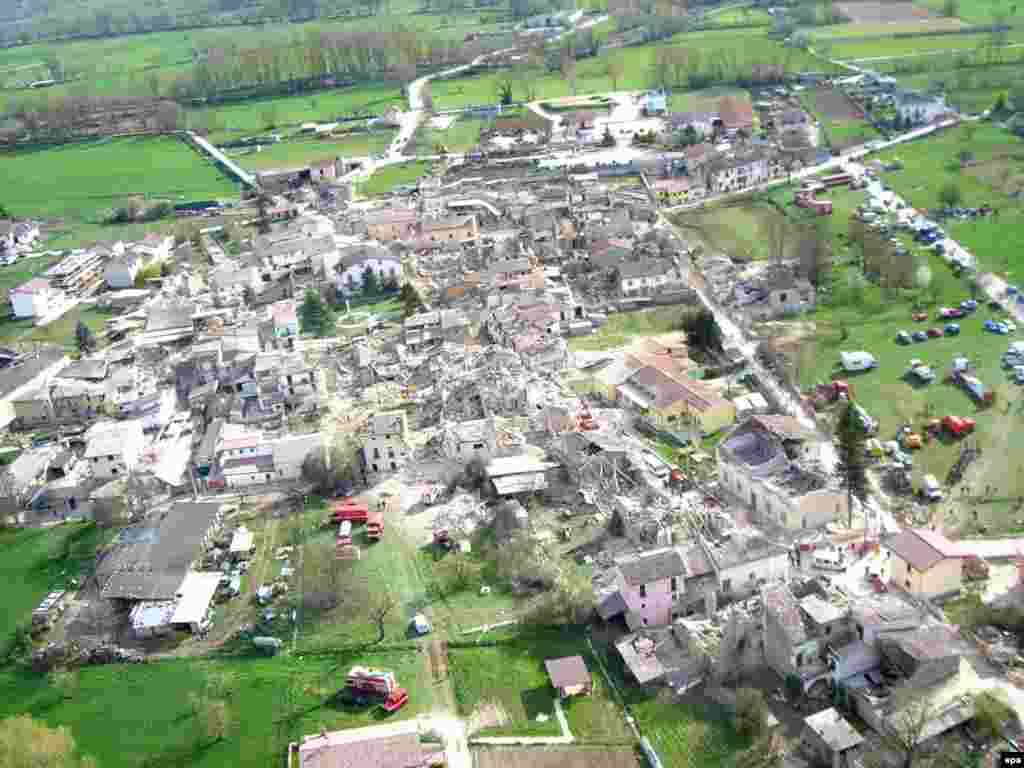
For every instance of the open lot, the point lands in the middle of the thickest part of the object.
(702, 100)
(623, 326)
(461, 136)
(269, 701)
(555, 757)
(879, 47)
(981, 11)
(883, 28)
(739, 229)
(60, 331)
(77, 183)
(994, 177)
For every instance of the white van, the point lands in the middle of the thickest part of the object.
(857, 361)
(930, 488)
(830, 559)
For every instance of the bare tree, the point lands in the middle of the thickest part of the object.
(907, 728)
(813, 252)
(776, 233)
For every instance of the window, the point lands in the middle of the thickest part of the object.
(110, 457)
(726, 585)
(782, 297)
(643, 590)
(376, 453)
(376, 468)
(675, 585)
(799, 659)
(393, 465)
(477, 446)
(114, 472)
(391, 453)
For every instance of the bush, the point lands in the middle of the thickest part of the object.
(751, 709)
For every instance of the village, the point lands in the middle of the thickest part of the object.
(509, 407)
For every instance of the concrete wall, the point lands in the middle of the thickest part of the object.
(943, 578)
(743, 577)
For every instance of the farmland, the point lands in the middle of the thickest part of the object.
(993, 176)
(78, 182)
(883, 29)
(270, 702)
(895, 47)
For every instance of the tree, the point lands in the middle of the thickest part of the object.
(314, 315)
(64, 682)
(750, 713)
(814, 253)
(607, 140)
(85, 340)
(615, 71)
(702, 329)
(412, 302)
(992, 712)
(908, 726)
(381, 605)
(951, 8)
(850, 467)
(776, 233)
(505, 91)
(26, 743)
(371, 283)
(950, 194)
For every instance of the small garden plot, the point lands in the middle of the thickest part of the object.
(883, 13)
(843, 121)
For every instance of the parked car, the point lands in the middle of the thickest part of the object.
(1018, 374)
(934, 333)
(919, 336)
(947, 313)
(952, 329)
(996, 326)
(968, 305)
(919, 317)
(902, 337)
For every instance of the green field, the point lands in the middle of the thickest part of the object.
(969, 90)
(60, 331)
(737, 16)
(981, 11)
(76, 183)
(995, 178)
(300, 152)
(882, 29)
(247, 118)
(842, 131)
(460, 136)
(270, 702)
(512, 676)
(387, 178)
(722, 56)
(881, 47)
(36, 561)
(740, 229)
(622, 327)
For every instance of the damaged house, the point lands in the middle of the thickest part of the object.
(766, 463)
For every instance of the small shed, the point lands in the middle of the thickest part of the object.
(569, 676)
(194, 597)
(830, 738)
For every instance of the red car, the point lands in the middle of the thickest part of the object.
(958, 425)
(919, 317)
(935, 333)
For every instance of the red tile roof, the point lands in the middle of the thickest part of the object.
(735, 113)
(34, 285)
(923, 549)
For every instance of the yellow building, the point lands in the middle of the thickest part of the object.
(671, 401)
(451, 228)
(925, 563)
(391, 224)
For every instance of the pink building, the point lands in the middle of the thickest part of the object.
(650, 585)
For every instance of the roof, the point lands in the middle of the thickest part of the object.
(95, 369)
(785, 427)
(195, 595)
(821, 611)
(735, 112)
(834, 730)
(241, 541)
(448, 222)
(668, 390)
(284, 312)
(516, 465)
(35, 285)
(391, 216)
(674, 184)
(567, 671)
(110, 438)
(645, 268)
(652, 566)
(922, 549)
(149, 562)
(929, 642)
(394, 745)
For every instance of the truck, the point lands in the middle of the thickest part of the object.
(363, 684)
(350, 510)
(375, 526)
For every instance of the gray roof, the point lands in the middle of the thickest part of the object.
(108, 439)
(567, 671)
(85, 369)
(645, 268)
(652, 566)
(28, 367)
(149, 562)
(821, 611)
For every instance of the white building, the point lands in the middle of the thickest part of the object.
(36, 298)
(919, 108)
(114, 448)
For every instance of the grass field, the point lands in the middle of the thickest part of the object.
(880, 47)
(981, 11)
(247, 118)
(734, 16)
(512, 676)
(705, 99)
(270, 702)
(299, 152)
(78, 182)
(460, 136)
(60, 331)
(997, 175)
(841, 119)
(36, 561)
(623, 326)
(387, 178)
(970, 91)
(723, 55)
(739, 230)
(923, 26)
